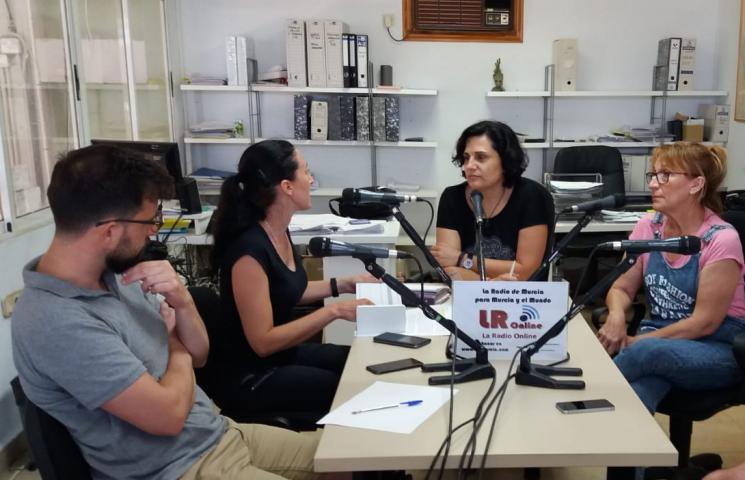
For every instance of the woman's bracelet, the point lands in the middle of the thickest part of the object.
(334, 287)
(459, 263)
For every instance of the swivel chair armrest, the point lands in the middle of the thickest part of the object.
(638, 311)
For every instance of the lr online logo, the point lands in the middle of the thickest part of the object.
(498, 319)
(529, 313)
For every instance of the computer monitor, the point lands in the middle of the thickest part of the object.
(165, 153)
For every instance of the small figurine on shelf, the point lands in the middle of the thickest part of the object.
(238, 129)
(498, 77)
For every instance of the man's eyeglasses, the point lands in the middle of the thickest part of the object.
(156, 221)
(661, 177)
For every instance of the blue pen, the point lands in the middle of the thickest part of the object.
(410, 403)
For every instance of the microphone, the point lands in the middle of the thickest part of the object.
(325, 247)
(478, 208)
(685, 245)
(359, 195)
(616, 200)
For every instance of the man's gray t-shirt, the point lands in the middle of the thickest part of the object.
(75, 349)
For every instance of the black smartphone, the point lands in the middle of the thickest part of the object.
(585, 406)
(394, 366)
(399, 340)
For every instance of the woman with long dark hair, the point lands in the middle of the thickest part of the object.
(262, 280)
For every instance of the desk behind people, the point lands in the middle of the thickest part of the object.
(529, 432)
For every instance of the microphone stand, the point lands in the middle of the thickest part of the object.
(419, 242)
(581, 223)
(468, 370)
(540, 376)
(480, 249)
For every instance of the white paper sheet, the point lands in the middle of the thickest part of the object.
(417, 323)
(396, 420)
(376, 319)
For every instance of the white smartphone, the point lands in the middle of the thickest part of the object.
(585, 406)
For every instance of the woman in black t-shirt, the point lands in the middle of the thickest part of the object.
(261, 281)
(518, 212)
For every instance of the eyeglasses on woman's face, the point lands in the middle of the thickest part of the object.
(661, 177)
(156, 221)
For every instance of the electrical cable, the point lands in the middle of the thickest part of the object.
(388, 29)
(431, 218)
(584, 274)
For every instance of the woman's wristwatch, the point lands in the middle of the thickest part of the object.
(465, 260)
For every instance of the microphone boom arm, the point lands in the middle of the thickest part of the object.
(581, 223)
(481, 369)
(540, 376)
(419, 242)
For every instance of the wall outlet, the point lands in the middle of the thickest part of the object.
(388, 20)
(9, 303)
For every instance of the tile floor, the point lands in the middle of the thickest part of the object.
(724, 434)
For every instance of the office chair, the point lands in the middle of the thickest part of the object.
(607, 162)
(53, 450)
(210, 376)
(685, 406)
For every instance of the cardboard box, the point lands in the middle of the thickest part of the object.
(693, 128)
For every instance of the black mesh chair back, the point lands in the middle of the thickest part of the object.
(53, 450)
(600, 159)
(213, 375)
(685, 406)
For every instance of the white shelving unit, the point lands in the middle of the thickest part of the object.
(284, 89)
(550, 96)
(253, 134)
(316, 143)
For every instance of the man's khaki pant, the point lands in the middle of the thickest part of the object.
(258, 452)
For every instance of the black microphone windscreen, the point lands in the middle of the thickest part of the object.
(348, 195)
(691, 244)
(317, 246)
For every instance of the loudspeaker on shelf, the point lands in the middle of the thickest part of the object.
(565, 64)
(188, 195)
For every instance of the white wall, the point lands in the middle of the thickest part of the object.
(617, 49)
(727, 77)
(14, 254)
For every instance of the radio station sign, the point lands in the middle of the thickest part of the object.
(504, 316)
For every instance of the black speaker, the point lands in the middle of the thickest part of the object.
(188, 195)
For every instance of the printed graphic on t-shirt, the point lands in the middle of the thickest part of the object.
(494, 248)
(667, 301)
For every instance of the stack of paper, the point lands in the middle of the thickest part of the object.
(209, 180)
(207, 79)
(212, 130)
(621, 216)
(326, 223)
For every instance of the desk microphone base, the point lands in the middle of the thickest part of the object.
(468, 371)
(539, 376)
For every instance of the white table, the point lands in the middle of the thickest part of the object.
(529, 432)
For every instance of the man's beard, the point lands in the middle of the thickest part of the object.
(120, 263)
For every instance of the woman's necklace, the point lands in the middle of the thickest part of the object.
(496, 205)
(279, 247)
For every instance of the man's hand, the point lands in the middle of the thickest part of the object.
(168, 315)
(447, 256)
(159, 277)
(612, 334)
